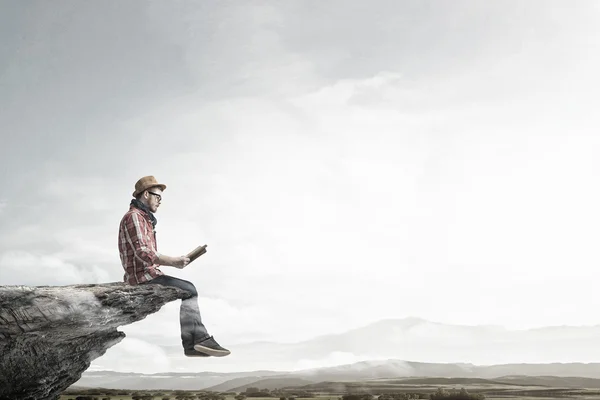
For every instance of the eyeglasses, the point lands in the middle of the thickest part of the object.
(157, 195)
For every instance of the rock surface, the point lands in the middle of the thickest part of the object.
(49, 335)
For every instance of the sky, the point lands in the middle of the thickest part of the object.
(344, 161)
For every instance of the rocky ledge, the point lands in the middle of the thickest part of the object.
(49, 335)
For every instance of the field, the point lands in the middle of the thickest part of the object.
(501, 392)
(581, 396)
(502, 388)
(172, 396)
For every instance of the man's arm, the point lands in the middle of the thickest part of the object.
(177, 262)
(137, 233)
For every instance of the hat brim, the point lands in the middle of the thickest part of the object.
(162, 187)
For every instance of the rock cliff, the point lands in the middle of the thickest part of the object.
(49, 335)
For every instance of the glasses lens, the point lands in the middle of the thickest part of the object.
(158, 196)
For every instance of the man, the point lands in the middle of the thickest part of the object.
(141, 261)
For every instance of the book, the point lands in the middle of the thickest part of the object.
(197, 252)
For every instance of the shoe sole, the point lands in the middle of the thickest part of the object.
(212, 352)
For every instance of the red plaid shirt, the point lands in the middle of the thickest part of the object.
(137, 247)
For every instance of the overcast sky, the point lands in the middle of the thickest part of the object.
(345, 161)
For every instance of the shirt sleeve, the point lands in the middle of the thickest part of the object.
(136, 233)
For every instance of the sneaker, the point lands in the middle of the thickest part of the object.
(211, 347)
(194, 353)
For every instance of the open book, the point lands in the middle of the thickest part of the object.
(197, 252)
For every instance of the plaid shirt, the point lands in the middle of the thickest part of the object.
(137, 247)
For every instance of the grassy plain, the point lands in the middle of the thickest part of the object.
(172, 396)
(581, 396)
(574, 394)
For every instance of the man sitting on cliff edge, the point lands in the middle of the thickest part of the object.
(141, 261)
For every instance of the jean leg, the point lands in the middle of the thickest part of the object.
(190, 320)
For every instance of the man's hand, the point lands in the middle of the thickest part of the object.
(180, 262)
(177, 262)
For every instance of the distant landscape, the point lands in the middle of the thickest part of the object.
(370, 380)
(399, 339)
(296, 388)
(366, 374)
(377, 377)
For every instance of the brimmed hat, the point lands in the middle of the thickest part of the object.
(146, 183)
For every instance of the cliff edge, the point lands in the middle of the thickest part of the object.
(49, 335)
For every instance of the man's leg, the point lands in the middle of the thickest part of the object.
(193, 331)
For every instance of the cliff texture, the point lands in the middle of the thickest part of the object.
(50, 335)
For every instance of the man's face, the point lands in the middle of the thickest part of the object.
(153, 198)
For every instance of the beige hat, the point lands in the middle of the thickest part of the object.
(146, 183)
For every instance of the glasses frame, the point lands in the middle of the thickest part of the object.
(157, 195)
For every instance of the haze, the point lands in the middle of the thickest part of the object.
(345, 161)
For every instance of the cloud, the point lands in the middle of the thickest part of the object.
(368, 187)
(134, 355)
(24, 268)
(376, 156)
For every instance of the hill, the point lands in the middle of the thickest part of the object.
(381, 374)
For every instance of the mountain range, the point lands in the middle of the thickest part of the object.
(378, 351)
(419, 340)
(366, 373)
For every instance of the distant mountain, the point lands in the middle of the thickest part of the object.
(454, 381)
(552, 381)
(243, 382)
(377, 369)
(270, 383)
(415, 339)
(580, 370)
(364, 374)
(376, 351)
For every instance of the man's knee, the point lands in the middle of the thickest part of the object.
(191, 288)
(188, 286)
(178, 283)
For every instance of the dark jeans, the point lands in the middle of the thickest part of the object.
(192, 328)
